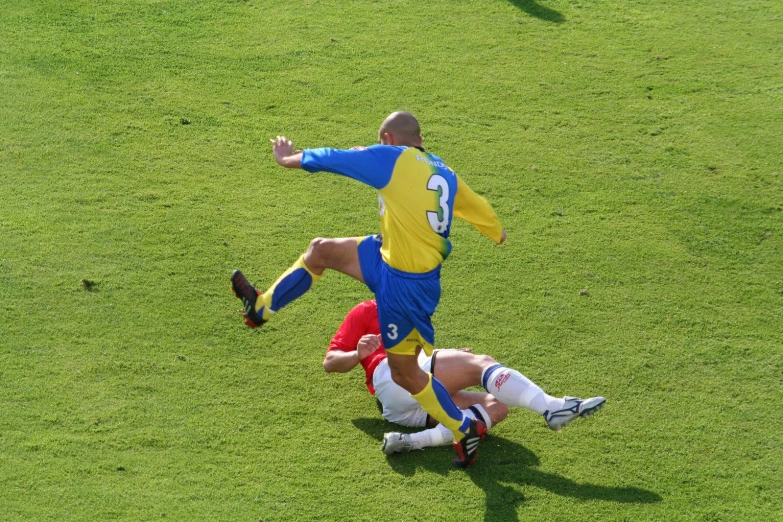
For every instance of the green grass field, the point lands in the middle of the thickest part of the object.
(632, 151)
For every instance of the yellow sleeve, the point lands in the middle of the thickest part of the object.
(477, 211)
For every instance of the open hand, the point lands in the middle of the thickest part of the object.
(282, 148)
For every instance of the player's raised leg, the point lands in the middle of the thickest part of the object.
(339, 254)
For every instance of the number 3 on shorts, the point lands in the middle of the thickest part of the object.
(392, 331)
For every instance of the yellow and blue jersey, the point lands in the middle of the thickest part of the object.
(419, 195)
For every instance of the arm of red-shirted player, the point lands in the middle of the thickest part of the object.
(367, 345)
(342, 355)
(342, 362)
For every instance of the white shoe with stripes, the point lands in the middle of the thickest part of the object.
(573, 408)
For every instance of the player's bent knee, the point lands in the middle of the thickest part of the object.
(496, 409)
(485, 361)
(316, 246)
(330, 253)
(317, 255)
(503, 410)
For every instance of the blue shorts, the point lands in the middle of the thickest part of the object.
(406, 301)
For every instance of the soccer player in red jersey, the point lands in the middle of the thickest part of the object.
(358, 342)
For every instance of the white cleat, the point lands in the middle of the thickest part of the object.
(574, 407)
(396, 442)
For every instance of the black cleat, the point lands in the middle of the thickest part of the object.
(467, 448)
(249, 295)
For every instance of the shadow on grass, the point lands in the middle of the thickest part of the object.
(539, 11)
(511, 465)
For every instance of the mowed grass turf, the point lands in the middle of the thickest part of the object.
(632, 151)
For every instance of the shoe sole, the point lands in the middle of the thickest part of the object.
(461, 465)
(235, 276)
(590, 411)
(584, 413)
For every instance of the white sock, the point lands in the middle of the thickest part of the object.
(440, 435)
(512, 388)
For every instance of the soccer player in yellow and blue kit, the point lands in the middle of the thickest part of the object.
(419, 195)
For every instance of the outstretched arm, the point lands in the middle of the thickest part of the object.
(285, 155)
(370, 165)
(478, 212)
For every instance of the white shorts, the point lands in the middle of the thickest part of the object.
(398, 405)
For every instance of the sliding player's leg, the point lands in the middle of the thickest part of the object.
(480, 406)
(459, 369)
(515, 389)
(340, 254)
(490, 410)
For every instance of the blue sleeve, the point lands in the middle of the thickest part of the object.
(372, 166)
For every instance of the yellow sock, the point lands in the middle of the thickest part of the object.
(438, 403)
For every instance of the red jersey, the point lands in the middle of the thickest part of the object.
(361, 320)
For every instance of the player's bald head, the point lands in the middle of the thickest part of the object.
(400, 128)
(401, 122)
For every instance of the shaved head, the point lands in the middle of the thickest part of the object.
(400, 128)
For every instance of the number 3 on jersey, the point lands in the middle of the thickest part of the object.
(439, 220)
